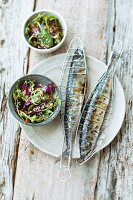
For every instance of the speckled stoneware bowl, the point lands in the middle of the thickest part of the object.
(40, 79)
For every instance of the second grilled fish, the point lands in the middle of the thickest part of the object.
(94, 111)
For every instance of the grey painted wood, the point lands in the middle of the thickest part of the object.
(25, 172)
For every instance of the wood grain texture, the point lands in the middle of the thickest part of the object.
(115, 179)
(108, 175)
(13, 55)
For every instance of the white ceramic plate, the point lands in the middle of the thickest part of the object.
(49, 138)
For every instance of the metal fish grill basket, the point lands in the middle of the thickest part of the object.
(78, 70)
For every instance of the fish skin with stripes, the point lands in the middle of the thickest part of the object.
(75, 90)
(93, 113)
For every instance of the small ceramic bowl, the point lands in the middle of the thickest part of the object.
(44, 81)
(63, 25)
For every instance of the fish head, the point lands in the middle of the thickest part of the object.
(78, 55)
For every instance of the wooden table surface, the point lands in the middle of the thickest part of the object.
(26, 173)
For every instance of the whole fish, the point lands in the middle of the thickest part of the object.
(75, 92)
(94, 111)
(73, 89)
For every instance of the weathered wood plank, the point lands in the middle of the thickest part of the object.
(115, 180)
(13, 55)
(36, 170)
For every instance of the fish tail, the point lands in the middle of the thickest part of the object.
(116, 54)
(65, 154)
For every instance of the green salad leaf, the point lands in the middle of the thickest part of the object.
(43, 31)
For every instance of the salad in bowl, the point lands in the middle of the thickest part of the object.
(35, 100)
(44, 30)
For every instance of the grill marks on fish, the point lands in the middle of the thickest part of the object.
(93, 116)
(75, 90)
(95, 110)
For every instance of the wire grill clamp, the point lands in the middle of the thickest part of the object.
(73, 90)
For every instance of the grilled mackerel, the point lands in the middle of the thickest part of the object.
(94, 111)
